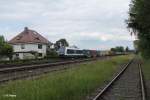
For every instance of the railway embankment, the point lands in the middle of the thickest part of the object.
(71, 84)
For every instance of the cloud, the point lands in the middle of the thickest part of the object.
(76, 20)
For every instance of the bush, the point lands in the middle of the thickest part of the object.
(52, 54)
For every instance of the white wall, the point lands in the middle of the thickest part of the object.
(30, 47)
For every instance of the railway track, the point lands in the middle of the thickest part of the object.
(29, 67)
(35, 62)
(22, 72)
(127, 85)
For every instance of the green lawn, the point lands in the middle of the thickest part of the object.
(71, 84)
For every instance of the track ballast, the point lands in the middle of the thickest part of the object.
(127, 85)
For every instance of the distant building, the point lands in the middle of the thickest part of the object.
(29, 45)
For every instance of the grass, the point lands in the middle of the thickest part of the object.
(71, 84)
(146, 73)
(146, 69)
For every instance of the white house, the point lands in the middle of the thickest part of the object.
(29, 44)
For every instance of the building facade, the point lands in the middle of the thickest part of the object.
(29, 45)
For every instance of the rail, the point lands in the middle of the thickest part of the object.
(142, 83)
(143, 94)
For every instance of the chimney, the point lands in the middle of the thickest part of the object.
(26, 29)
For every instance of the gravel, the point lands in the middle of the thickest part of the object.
(127, 87)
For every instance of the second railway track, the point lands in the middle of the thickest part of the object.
(29, 67)
(21, 72)
(127, 85)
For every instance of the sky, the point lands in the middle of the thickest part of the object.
(88, 24)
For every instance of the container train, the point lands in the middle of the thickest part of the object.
(76, 52)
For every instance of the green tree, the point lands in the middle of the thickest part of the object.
(113, 49)
(51, 53)
(1, 44)
(139, 23)
(127, 49)
(1, 41)
(118, 49)
(5, 48)
(61, 43)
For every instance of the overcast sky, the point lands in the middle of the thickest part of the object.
(93, 24)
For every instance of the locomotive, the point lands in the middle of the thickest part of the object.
(76, 52)
(70, 52)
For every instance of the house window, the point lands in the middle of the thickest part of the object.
(48, 46)
(22, 46)
(39, 46)
(40, 54)
(17, 55)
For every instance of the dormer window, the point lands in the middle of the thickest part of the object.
(19, 37)
(37, 38)
(39, 46)
(35, 32)
(22, 46)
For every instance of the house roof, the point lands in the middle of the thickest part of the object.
(29, 36)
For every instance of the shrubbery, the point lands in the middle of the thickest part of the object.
(6, 50)
(139, 22)
(51, 54)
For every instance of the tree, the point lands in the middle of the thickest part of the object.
(2, 40)
(127, 49)
(51, 53)
(139, 23)
(118, 49)
(113, 49)
(61, 43)
(5, 48)
(1, 44)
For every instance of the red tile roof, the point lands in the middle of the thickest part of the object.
(29, 36)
